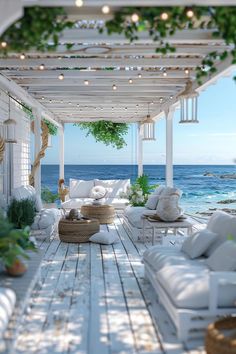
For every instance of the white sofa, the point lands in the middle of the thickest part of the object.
(46, 220)
(80, 193)
(192, 293)
(133, 215)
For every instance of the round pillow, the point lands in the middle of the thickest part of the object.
(98, 192)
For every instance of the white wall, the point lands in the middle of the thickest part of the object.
(21, 150)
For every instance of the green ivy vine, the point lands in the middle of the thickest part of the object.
(107, 132)
(35, 29)
(52, 129)
(222, 20)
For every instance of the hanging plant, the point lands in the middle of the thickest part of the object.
(163, 22)
(107, 132)
(38, 27)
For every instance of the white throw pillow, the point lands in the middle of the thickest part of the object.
(98, 192)
(223, 259)
(197, 244)
(105, 238)
(152, 201)
(80, 188)
(168, 208)
(159, 190)
(113, 186)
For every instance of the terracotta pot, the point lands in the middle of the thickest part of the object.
(17, 269)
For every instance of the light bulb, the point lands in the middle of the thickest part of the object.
(171, 97)
(4, 44)
(41, 67)
(161, 100)
(164, 73)
(22, 56)
(130, 81)
(61, 77)
(50, 101)
(42, 98)
(86, 82)
(164, 16)
(114, 87)
(106, 9)
(190, 13)
(79, 3)
(135, 17)
(139, 76)
(186, 71)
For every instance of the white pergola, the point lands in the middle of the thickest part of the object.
(140, 74)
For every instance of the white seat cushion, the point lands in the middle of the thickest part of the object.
(224, 225)
(117, 203)
(134, 215)
(114, 186)
(105, 237)
(223, 258)
(80, 188)
(188, 287)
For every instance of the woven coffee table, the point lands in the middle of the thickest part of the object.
(104, 213)
(77, 231)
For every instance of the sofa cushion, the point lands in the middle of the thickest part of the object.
(198, 243)
(168, 208)
(74, 203)
(158, 256)
(224, 225)
(168, 191)
(159, 190)
(152, 201)
(24, 192)
(223, 258)
(134, 215)
(117, 203)
(46, 218)
(80, 188)
(7, 304)
(98, 192)
(114, 186)
(188, 287)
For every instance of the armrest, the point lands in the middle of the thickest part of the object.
(215, 278)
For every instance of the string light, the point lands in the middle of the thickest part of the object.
(105, 9)
(4, 44)
(114, 87)
(79, 3)
(164, 73)
(42, 98)
(186, 71)
(190, 13)
(135, 18)
(139, 76)
(161, 100)
(41, 67)
(61, 77)
(22, 56)
(171, 97)
(86, 82)
(130, 81)
(164, 16)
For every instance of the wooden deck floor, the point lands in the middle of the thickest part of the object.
(93, 299)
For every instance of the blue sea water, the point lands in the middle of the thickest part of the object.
(199, 192)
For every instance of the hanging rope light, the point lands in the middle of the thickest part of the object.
(189, 104)
(148, 127)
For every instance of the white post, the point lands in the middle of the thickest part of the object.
(139, 150)
(169, 114)
(61, 153)
(37, 148)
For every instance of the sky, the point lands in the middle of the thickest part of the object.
(212, 141)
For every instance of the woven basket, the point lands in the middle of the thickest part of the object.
(104, 213)
(216, 342)
(77, 231)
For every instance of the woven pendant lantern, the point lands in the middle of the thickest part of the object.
(10, 127)
(189, 104)
(148, 127)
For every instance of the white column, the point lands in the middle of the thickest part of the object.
(169, 114)
(37, 148)
(139, 150)
(61, 153)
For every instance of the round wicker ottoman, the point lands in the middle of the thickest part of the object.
(104, 213)
(218, 341)
(77, 231)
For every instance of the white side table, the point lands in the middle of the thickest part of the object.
(159, 226)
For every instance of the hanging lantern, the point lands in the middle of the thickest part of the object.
(148, 127)
(189, 104)
(10, 128)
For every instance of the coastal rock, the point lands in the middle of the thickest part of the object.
(230, 176)
(227, 201)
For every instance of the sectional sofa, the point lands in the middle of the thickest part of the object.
(197, 282)
(82, 192)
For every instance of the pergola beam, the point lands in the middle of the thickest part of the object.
(118, 3)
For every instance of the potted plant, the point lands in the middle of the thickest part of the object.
(49, 198)
(13, 246)
(21, 213)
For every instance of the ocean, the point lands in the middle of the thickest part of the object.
(199, 192)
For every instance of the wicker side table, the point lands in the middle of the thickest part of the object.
(217, 341)
(104, 213)
(77, 231)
